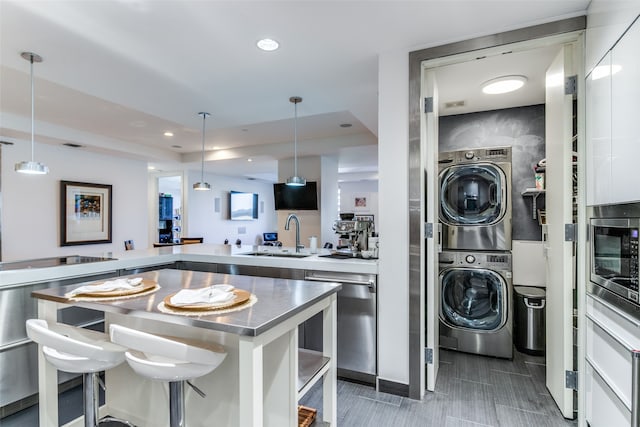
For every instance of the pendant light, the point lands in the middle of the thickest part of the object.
(295, 180)
(32, 167)
(202, 186)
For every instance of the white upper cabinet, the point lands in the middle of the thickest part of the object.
(613, 139)
(598, 130)
(625, 133)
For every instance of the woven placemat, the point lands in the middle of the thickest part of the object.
(252, 300)
(121, 297)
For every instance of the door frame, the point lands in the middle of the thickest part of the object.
(535, 36)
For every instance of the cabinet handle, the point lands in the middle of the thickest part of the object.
(370, 283)
(635, 389)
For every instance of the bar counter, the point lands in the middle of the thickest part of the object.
(260, 381)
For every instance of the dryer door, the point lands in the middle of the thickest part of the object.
(473, 298)
(473, 194)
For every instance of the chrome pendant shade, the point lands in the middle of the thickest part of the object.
(202, 186)
(31, 166)
(295, 180)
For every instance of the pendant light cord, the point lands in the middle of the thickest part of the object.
(295, 139)
(204, 118)
(32, 113)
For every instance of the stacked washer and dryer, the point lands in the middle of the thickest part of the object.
(475, 273)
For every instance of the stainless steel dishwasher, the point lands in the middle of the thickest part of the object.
(357, 325)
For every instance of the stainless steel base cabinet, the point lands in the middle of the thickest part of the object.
(357, 325)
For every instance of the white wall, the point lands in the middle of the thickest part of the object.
(215, 227)
(352, 189)
(393, 216)
(328, 199)
(31, 204)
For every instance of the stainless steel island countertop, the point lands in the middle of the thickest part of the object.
(278, 300)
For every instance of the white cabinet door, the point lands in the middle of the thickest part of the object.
(625, 134)
(598, 129)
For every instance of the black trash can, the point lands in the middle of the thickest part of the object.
(529, 319)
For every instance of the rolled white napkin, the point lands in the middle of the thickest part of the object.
(216, 294)
(108, 286)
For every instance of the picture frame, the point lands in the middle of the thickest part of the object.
(360, 202)
(85, 213)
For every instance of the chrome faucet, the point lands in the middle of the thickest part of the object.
(286, 227)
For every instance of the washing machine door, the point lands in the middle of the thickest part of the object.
(473, 298)
(473, 194)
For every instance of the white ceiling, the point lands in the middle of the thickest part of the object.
(117, 74)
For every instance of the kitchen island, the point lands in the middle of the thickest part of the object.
(263, 375)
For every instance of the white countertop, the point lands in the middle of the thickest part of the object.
(207, 253)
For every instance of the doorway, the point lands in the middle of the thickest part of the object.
(424, 66)
(167, 204)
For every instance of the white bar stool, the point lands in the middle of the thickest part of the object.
(79, 351)
(171, 359)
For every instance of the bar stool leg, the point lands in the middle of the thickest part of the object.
(90, 397)
(176, 404)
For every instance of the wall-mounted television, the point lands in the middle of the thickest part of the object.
(243, 206)
(296, 198)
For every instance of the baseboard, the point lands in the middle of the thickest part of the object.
(391, 387)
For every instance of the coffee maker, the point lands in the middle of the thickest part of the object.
(355, 233)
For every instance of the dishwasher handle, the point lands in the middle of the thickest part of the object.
(371, 284)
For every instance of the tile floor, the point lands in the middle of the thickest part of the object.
(471, 391)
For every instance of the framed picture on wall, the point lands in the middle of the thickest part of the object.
(360, 203)
(85, 213)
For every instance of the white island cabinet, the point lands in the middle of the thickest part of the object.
(260, 381)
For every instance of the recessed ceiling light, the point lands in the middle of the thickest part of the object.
(216, 147)
(268, 45)
(503, 84)
(151, 167)
(176, 146)
(249, 160)
(346, 125)
(168, 133)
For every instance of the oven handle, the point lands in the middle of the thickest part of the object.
(369, 283)
(635, 389)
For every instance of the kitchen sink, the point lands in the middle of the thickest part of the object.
(278, 254)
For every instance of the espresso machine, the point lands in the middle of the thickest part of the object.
(354, 235)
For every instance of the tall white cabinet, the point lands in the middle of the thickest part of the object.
(625, 129)
(613, 139)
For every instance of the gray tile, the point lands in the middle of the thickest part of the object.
(539, 377)
(445, 378)
(472, 401)
(518, 391)
(471, 367)
(456, 422)
(511, 417)
(515, 366)
(431, 411)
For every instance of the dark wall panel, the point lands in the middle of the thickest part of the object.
(522, 129)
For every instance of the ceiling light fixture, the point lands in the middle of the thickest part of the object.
(202, 186)
(295, 180)
(32, 167)
(168, 133)
(268, 45)
(503, 84)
